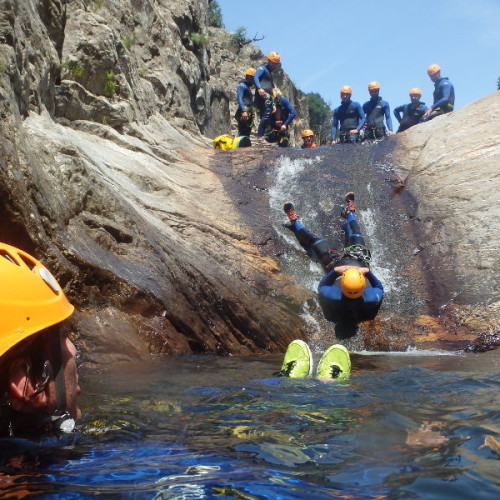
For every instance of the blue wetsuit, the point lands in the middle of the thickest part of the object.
(245, 103)
(284, 113)
(375, 110)
(444, 98)
(336, 306)
(350, 116)
(263, 79)
(412, 114)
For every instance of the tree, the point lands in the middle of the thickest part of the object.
(319, 116)
(240, 38)
(215, 14)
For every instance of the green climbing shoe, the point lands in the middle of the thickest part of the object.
(334, 364)
(297, 362)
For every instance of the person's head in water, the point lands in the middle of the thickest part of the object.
(38, 376)
(434, 72)
(374, 89)
(345, 93)
(415, 95)
(308, 138)
(352, 283)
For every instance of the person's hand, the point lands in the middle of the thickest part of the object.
(390, 132)
(427, 113)
(262, 92)
(353, 131)
(334, 142)
(283, 127)
(279, 123)
(343, 269)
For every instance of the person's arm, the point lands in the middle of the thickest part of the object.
(240, 92)
(374, 281)
(397, 112)
(362, 116)
(291, 111)
(335, 123)
(388, 119)
(422, 110)
(328, 279)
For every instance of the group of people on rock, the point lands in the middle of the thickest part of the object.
(351, 122)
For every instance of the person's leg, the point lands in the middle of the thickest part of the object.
(352, 230)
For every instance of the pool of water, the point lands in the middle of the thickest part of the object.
(406, 425)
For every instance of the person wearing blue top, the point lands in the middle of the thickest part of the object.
(444, 94)
(264, 85)
(280, 120)
(349, 116)
(376, 109)
(245, 112)
(349, 292)
(412, 113)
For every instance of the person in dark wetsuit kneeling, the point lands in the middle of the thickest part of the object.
(349, 292)
(245, 113)
(412, 112)
(376, 109)
(280, 119)
(349, 116)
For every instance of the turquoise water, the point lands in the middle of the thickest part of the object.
(404, 426)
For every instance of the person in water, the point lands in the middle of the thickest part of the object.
(376, 109)
(264, 85)
(347, 119)
(349, 292)
(412, 113)
(308, 139)
(444, 94)
(245, 112)
(38, 375)
(281, 117)
(335, 364)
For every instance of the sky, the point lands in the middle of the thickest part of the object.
(325, 44)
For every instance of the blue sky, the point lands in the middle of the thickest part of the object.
(325, 44)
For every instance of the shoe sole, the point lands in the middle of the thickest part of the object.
(305, 347)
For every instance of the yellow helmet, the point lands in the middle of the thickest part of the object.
(415, 91)
(373, 86)
(274, 57)
(346, 89)
(250, 71)
(352, 283)
(433, 68)
(306, 133)
(30, 297)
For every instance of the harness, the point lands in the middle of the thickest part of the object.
(356, 252)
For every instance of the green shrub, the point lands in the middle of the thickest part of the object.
(198, 39)
(214, 14)
(110, 85)
(128, 41)
(71, 69)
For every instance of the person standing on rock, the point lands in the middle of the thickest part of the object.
(348, 116)
(280, 119)
(349, 292)
(264, 85)
(245, 112)
(38, 376)
(376, 109)
(444, 94)
(412, 112)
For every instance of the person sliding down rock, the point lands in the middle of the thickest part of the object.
(349, 292)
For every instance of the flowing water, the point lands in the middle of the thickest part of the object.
(415, 424)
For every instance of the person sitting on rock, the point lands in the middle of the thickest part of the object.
(375, 110)
(264, 85)
(349, 116)
(38, 376)
(308, 139)
(227, 142)
(245, 112)
(444, 94)
(335, 364)
(280, 119)
(412, 112)
(349, 292)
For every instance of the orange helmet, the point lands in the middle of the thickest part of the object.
(307, 133)
(250, 71)
(346, 89)
(352, 283)
(433, 68)
(415, 91)
(373, 86)
(30, 297)
(274, 57)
